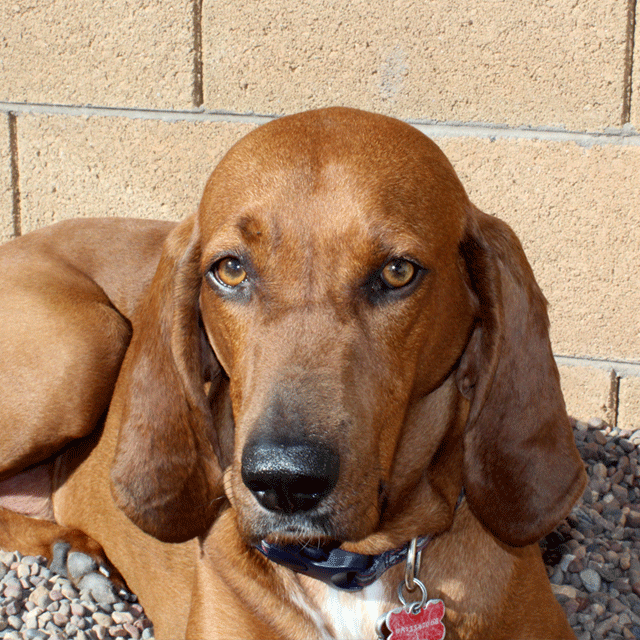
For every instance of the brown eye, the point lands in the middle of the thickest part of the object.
(398, 273)
(230, 272)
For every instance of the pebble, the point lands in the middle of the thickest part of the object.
(591, 580)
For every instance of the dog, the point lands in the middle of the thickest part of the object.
(329, 392)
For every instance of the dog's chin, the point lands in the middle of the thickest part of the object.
(304, 530)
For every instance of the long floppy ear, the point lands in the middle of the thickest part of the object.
(522, 469)
(166, 474)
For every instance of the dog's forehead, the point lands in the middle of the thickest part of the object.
(336, 173)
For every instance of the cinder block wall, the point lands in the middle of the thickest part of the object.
(123, 108)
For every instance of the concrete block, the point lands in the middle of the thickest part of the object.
(575, 209)
(635, 89)
(520, 63)
(589, 392)
(6, 192)
(105, 166)
(629, 404)
(125, 53)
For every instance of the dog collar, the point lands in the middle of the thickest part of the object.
(342, 569)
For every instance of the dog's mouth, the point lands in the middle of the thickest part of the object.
(327, 527)
(308, 530)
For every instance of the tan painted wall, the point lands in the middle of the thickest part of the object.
(123, 108)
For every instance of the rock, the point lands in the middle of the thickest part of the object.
(565, 590)
(60, 619)
(557, 577)
(621, 494)
(68, 591)
(615, 606)
(99, 631)
(599, 471)
(576, 566)
(40, 596)
(621, 585)
(600, 437)
(606, 573)
(603, 628)
(577, 535)
(633, 519)
(121, 617)
(15, 622)
(13, 589)
(13, 608)
(102, 619)
(31, 620)
(566, 561)
(591, 580)
(626, 445)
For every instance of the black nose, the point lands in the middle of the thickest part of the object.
(289, 476)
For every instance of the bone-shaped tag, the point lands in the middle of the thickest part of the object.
(424, 625)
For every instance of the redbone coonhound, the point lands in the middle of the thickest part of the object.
(255, 412)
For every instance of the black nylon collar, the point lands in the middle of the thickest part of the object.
(337, 567)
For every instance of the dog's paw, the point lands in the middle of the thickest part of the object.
(89, 572)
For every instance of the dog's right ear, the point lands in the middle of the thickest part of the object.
(166, 473)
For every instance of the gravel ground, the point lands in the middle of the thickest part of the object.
(593, 559)
(37, 602)
(593, 562)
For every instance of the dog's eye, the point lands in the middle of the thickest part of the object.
(398, 273)
(230, 272)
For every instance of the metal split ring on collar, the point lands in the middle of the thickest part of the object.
(412, 567)
(415, 606)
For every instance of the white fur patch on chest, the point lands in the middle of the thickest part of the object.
(346, 615)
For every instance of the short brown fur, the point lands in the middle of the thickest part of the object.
(133, 381)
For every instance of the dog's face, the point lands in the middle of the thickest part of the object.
(335, 299)
(371, 343)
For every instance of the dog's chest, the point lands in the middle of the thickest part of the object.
(343, 615)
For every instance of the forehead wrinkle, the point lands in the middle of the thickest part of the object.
(257, 231)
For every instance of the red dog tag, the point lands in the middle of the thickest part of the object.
(424, 625)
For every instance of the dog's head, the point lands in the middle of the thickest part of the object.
(335, 344)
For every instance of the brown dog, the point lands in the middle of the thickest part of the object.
(324, 356)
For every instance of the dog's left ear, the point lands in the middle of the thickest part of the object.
(166, 473)
(522, 471)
